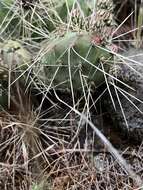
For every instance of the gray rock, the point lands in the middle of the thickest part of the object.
(128, 115)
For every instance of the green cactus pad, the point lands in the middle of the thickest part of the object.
(14, 59)
(12, 52)
(74, 61)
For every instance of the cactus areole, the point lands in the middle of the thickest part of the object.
(74, 61)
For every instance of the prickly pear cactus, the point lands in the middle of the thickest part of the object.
(104, 14)
(99, 12)
(14, 59)
(86, 15)
(14, 55)
(104, 23)
(73, 61)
